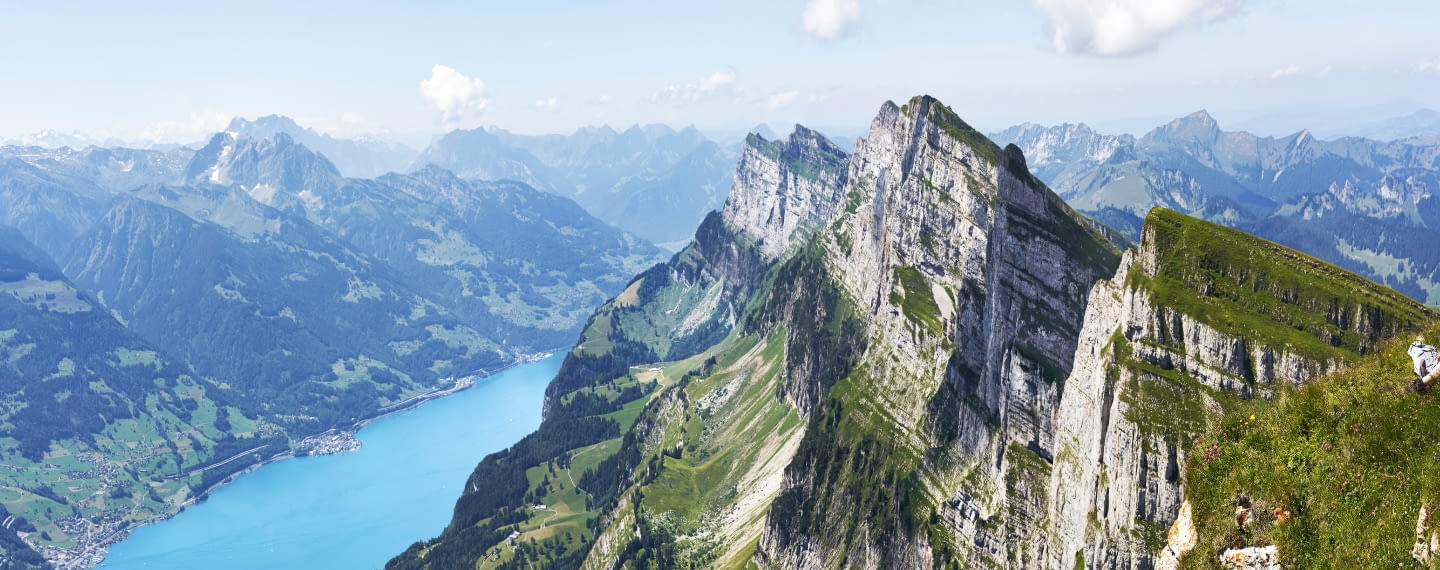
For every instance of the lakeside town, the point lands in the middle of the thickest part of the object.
(94, 540)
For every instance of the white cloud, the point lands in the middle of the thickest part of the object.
(547, 104)
(1126, 27)
(1297, 70)
(1286, 72)
(457, 97)
(830, 19)
(717, 82)
(782, 99)
(348, 124)
(1428, 66)
(199, 126)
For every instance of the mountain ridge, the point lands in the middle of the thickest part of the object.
(894, 394)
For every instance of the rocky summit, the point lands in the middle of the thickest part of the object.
(914, 356)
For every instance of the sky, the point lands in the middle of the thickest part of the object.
(176, 71)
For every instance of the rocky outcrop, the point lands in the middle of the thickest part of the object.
(785, 189)
(1151, 374)
(1427, 538)
(274, 171)
(971, 279)
(1180, 540)
(1253, 558)
(960, 370)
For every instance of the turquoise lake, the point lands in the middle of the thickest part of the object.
(355, 510)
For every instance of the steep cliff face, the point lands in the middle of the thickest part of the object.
(1197, 319)
(784, 189)
(621, 406)
(971, 278)
(918, 357)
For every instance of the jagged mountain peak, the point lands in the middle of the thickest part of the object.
(429, 182)
(1198, 118)
(1197, 127)
(601, 131)
(365, 157)
(432, 171)
(276, 171)
(264, 126)
(932, 110)
(764, 130)
(784, 189)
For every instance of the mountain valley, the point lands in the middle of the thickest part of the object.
(914, 354)
(266, 286)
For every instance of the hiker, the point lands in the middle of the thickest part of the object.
(1427, 365)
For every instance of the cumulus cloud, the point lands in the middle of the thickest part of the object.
(717, 80)
(782, 99)
(830, 19)
(198, 126)
(1297, 70)
(547, 104)
(694, 92)
(1126, 27)
(457, 97)
(1286, 71)
(1428, 66)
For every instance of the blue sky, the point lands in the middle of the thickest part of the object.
(175, 70)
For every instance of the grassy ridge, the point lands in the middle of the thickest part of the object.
(1351, 458)
(1251, 288)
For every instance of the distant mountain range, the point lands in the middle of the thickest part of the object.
(653, 181)
(1364, 204)
(235, 299)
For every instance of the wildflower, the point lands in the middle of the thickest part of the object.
(1252, 417)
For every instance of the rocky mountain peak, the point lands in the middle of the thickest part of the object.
(784, 189)
(275, 171)
(264, 127)
(1196, 128)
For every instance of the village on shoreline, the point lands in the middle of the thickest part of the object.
(92, 549)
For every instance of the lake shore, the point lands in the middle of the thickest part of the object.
(91, 551)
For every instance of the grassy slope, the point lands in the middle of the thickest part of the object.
(1351, 457)
(1248, 287)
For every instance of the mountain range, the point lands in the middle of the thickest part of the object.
(1359, 203)
(905, 352)
(918, 356)
(251, 277)
(651, 180)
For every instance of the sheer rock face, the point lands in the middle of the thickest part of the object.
(972, 279)
(983, 380)
(1022, 402)
(1114, 471)
(785, 189)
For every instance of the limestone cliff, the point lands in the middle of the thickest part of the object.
(971, 277)
(916, 356)
(619, 407)
(784, 189)
(1197, 318)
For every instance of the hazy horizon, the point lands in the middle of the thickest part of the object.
(174, 72)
